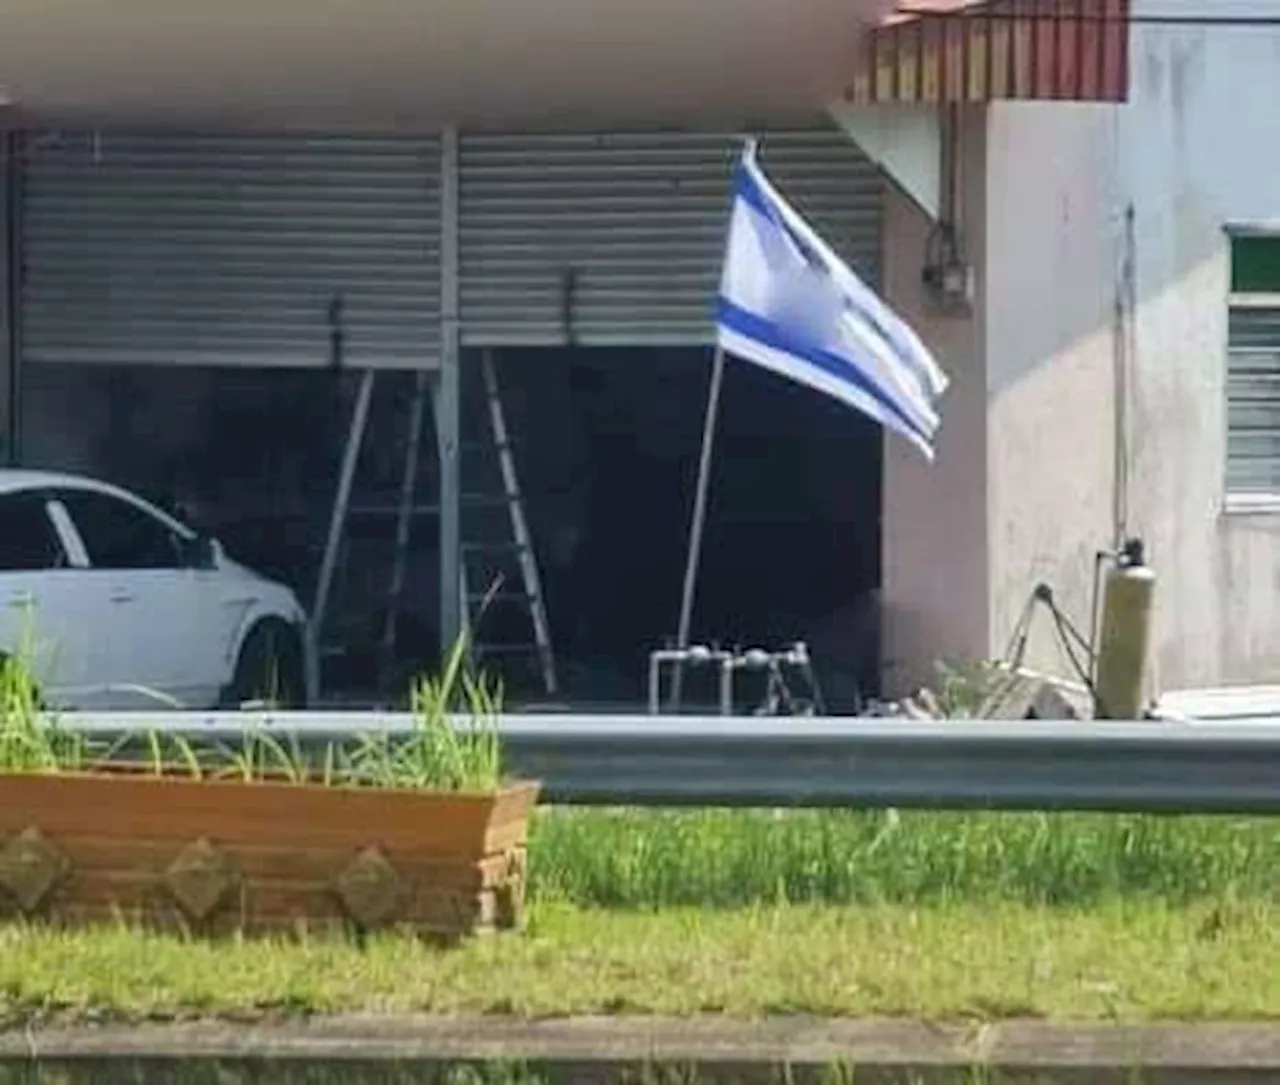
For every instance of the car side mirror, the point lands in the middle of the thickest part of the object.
(202, 552)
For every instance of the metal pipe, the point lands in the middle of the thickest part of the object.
(655, 690)
(729, 663)
(726, 685)
(448, 401)
(404, 516)
(341, 504)
(698, 523)
(698, 655)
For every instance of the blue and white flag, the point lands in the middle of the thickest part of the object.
(787, 302)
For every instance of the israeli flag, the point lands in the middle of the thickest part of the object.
(788, 303)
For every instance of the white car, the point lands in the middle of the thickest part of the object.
(118, 606)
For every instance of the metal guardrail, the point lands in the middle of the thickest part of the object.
(838, 762)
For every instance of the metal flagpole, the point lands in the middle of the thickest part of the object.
(698, 524)
(699, 516)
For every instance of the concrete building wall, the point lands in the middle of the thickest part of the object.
(1196, 149)
(1050, 359)
(1023, 487)
(1201, 151)
(935, 579)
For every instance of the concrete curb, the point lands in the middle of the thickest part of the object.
(368, 1048)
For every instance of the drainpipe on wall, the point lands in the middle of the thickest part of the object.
(948, 277)
(1124, 349)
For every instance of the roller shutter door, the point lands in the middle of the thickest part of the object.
(617, 239)
(231, 249)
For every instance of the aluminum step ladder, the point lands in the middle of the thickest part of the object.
(517, 582)
(511, 557)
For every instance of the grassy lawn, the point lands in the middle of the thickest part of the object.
(735, 912)
(1129, 962)
(728, 858)
(932, 915)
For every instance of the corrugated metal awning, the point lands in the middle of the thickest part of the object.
(953, 51)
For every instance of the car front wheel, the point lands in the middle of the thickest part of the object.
(269, 670)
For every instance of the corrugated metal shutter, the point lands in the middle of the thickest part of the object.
(1253, 401)
(231, 249)
(617, 239)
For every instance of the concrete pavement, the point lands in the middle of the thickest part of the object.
(383, 1049)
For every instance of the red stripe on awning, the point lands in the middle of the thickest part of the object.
(1032, 50)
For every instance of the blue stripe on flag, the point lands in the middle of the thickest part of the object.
(768, 334)
(748, 190)
(755, 197)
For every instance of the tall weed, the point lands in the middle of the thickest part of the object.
(453, 746)
(28, 742)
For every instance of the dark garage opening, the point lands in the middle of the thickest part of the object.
(252, 455)
(608, 444)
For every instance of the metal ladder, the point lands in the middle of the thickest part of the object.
(482, 557)
(478, 553)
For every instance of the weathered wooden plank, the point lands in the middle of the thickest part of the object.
(226, 857)
(256, 861)
(281, 815)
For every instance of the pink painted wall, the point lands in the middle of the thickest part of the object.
(1052, 262)
(1028, 476)
(935, 528)
(1022, 490)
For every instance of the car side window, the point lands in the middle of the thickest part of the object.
(119, 535)
(28, 539)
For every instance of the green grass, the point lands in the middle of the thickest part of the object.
(437, 755)
(941, 916)
(720, 858)
(1123, 961)
(739, 912)
(26, 745)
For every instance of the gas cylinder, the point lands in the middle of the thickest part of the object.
(1127, 607)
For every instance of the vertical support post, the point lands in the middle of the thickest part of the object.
(338, 516)
(404, 516)
(11, 144)
(448, 401)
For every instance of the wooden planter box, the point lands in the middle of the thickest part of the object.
(215, 857)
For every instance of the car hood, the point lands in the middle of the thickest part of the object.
(234, 568)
